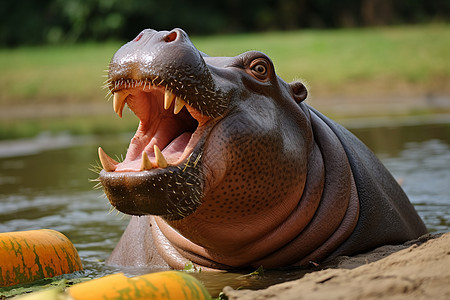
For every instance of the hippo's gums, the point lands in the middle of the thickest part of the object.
(230, 169)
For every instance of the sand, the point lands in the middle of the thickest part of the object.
(418, 269)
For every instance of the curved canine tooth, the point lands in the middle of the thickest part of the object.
(168, 98)
(146, 165)
(160, 159)
(119, 102)
(108, 164)
(179, 104)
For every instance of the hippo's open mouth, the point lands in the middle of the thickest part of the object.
(169, 128)
(161, 172)
(168, 85)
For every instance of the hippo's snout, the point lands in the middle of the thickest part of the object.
(156, 52)
(166, 54)
(170, 60)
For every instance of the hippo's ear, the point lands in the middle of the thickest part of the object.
(299, 91)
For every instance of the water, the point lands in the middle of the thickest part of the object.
(44, 183)
(419, 158)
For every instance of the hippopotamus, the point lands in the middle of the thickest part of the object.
(231, 169)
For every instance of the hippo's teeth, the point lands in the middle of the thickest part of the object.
(146, 165)
(160, 159)
(179, 104)
(119, 102)
(168, 98)
(108, 164)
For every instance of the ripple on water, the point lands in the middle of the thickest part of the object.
(424, 170)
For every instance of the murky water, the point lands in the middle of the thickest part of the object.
(44, 183)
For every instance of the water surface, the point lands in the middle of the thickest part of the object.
(44, 183)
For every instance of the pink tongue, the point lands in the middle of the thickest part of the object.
(172, 152)
(175, 149)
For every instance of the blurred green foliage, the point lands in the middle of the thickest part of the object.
(29, 22)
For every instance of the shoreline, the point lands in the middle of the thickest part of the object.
(337, 106)
(418, 269)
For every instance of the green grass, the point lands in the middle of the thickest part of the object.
(375, 61)
(54, 74)
(328, 60)
(331, 59)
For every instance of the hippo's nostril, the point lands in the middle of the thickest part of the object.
(138, 37)
(172, 36)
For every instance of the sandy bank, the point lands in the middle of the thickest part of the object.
(419, 269)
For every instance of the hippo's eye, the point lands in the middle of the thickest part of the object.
(260, 68)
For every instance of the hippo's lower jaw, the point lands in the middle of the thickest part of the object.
(166, 122)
